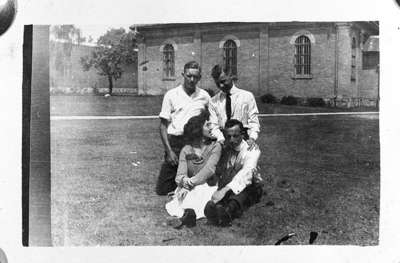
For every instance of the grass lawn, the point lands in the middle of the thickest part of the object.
(100, 105)
(321, 174)
(151, 105)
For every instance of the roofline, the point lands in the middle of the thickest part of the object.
(372, 25)
(147, 27)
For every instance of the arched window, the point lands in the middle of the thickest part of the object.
(230, 57)
(302, 56)
(353, 60)
(169, 61)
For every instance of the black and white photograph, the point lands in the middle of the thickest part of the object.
(203, 131)
(139, 121)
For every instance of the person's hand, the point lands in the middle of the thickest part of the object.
(223, 144)
(181, 194)
(252, 144)
(187, 183)
(172, 159)
(219, 194)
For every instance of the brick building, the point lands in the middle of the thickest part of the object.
(67, 75)
(336, 61)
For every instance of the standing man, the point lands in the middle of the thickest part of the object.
(179, 105)
(232, 103)
(239, 184)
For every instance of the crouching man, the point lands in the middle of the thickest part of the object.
(239, 184)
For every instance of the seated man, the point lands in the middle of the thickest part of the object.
(239, 184)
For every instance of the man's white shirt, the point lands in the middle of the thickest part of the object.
(244, 109)
(248, 160)
(178, 107)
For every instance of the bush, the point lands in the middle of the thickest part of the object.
(289, 100)
(316, 102)
(268, 98)
(96, 90)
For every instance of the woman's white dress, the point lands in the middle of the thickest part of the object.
(201, 169)
(196, 199)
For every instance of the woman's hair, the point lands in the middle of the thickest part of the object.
(193, 129)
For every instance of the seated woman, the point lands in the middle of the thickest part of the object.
(195, 177)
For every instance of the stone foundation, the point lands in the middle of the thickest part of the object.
(352, 102)
(342, 102)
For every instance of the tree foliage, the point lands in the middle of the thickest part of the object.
(114, 49)
(67, 33)
(63, 37)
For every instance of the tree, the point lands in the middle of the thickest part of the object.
(63, 37)
(114, 49)
(68, 33)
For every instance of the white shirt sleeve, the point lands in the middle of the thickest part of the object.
(207, 97)
(166, 108)
(253, 122)
(244, 177)
(215, 129)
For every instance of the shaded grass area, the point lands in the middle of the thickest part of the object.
(151, 105)
(321, 174)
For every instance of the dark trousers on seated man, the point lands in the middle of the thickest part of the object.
(233, 205)
(239, 186)
(166, 178)
(239, 183)
(237, 204)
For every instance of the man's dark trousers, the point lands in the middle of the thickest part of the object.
(239, 203)
(166, 178)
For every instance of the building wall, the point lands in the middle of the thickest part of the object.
(152, 71)
(369, 83)
(281, 64)
(188, 48)
(265, 59)
(247, 58)
(364, 90)
(345, 89)
(68, 76)
(211, 55)
(355, 87)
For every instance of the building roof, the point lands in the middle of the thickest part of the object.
(371, 26)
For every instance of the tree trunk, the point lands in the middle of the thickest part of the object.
(110, 84)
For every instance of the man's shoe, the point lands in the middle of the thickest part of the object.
(224, 217)
(233, 209)
(210, 212)
(189, 218)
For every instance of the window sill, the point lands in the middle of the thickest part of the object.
(169, 79)
(295, 76)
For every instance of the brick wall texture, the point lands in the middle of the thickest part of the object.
(265, 57)
(265, 60)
